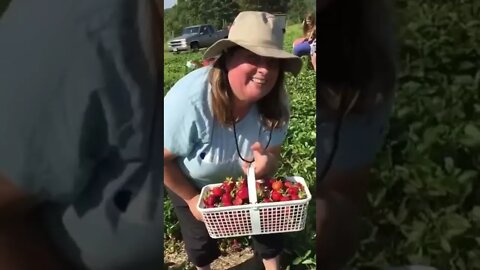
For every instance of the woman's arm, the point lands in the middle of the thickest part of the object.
(176, 181)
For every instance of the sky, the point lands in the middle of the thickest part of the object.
(168, 3)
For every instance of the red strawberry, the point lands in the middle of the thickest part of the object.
(228, 185)
(237, 201)
(295, 197)
(292, 190)
(288, 184)
(276, 196)
(210, 200)
(217, 191)
(277, 185)
(270, 182)
(298, 186)
(227, 203)
(243, 182)
(242, 193)
(285, 198)
(226, 198)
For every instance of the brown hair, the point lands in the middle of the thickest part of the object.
(357, 54)
(273, 108)
(307, 30)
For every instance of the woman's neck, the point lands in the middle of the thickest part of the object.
(240, 109)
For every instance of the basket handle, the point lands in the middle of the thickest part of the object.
(251, 180)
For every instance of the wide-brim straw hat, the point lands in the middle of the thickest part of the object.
(260, 33)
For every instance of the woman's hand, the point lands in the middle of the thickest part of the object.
(192, 204)
(265, 160)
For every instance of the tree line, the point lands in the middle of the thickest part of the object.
(220, 13)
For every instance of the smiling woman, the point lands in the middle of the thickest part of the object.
(252, 78)
(219, 117)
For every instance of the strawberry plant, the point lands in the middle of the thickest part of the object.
(424, 198)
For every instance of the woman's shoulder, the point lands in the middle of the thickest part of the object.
(192, 88)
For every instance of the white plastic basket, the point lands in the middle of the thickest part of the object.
(255, 218)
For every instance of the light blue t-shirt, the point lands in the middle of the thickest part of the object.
(207, 151)
(361, 138)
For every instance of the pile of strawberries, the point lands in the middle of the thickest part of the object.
(232, 192)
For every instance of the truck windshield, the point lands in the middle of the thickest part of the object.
(190, 30)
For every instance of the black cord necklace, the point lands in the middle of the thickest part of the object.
(236, 140)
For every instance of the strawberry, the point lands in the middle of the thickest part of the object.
(237, 201)
(228, 185)
(270, 182)
(210, 201)
(266, 200)
(298, 186)
(295, 197)
(285, 198)
(226, 199)
(276, 196)
(288, 184)
(277, 185)
(292, 190)
(242, 193)
(243, 183)
(227, 203)
(217, 191)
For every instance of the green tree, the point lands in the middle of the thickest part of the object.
(297, 10)
(272, 6)
(219, 13)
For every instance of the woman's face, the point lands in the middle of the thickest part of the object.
(251, 76)
(309, 21)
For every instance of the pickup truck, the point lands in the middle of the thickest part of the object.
(196, 37)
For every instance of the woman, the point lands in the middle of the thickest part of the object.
(313, 54)
(356, 79)
(80, 184)
(301, 46)
(219, 118)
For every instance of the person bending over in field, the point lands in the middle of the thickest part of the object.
(217, 116)
(356, 79)
(301, 46)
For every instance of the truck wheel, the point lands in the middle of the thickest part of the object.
(194, 46)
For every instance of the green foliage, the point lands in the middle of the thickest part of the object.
(424, 199)
(219, 13)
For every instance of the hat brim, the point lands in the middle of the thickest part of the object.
(290, 62)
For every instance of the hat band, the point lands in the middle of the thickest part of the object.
(260, 44)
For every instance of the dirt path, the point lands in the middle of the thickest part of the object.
(176, 258)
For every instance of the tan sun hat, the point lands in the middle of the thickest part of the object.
(260, 33)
